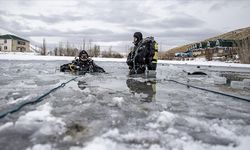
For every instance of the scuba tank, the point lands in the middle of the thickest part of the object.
(152, 56)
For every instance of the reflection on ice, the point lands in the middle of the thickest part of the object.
(145, 87)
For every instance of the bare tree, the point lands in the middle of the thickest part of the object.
(96, 50)
(67, 49)
(110, 49)
(61, 53)
(83, 44)
(44, 51)
(90, 42)
(111, 54)
(56, 51)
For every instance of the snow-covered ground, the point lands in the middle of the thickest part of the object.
(115, 111)
(33, 56)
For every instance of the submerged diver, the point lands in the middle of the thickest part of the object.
(143, 56)
(83, 64)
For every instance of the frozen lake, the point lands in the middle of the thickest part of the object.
(116, 112)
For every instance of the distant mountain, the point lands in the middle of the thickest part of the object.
(234, 35)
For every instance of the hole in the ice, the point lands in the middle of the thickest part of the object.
(75, 128)
(82, 85)
(197, 73)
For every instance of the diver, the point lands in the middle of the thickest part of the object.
(83, 64)
(146, 87)
(144, 55)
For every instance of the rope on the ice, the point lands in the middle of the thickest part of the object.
(39, 99)
(216, 92)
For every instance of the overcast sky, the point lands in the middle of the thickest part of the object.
(113, 22)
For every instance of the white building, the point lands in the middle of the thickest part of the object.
(12, 43)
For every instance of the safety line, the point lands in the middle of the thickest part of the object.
(216, 92)
(39, 99)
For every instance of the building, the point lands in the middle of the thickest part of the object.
(211, 44)
(202, 45)
(12, 43)
(225, 47)
(225, 43)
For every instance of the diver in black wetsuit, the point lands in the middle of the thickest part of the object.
(143, 56)
(83, 64)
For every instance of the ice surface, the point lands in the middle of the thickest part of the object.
(41, 147)
(237, 84)
(116, 111)
(246, 83)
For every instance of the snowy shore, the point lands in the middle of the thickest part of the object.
(32, 56)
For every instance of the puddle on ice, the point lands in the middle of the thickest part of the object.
(116, 111)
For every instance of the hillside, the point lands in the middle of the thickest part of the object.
(235, 35)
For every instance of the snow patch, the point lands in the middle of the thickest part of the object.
(41, 147)
(86, 90)
(237, 84)
(222, 131)
(156, 147)
(42, 114)
(20, 99)
(164, 119)
(100, 144)
(172, 131)
(113, 140)
(118, 101)
(67, 138)
(191, 145)
(6, 125)
(219, 80)
(41, 120)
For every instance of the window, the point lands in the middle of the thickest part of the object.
(217, 43)
(5, 47)
(5, 41)
(23, 49)
(20, 42)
